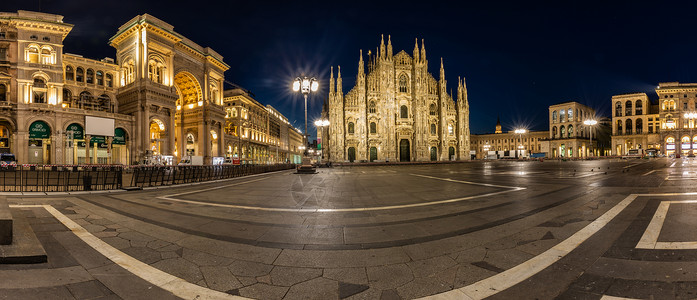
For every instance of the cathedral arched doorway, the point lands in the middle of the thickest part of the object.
(373, 154)
(351, 154)
(404, 150)
(157, 132)
(451, 153)
(434, 154)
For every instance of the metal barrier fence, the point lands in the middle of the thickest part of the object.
(149, 176)
(37, 178)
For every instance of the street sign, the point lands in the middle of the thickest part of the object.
(236, 161)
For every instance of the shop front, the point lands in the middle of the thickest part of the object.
(75, 148)
(39, 144)
(119, 147)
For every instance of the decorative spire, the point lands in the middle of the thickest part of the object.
(423, 51)
(389, 47)
(331, 80)
(361, 72)
(416, 49)
(382, 46)
(339, 84)
(442, 70)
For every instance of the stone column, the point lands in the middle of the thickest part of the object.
(87, 148)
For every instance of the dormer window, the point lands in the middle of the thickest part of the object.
(33, 37)
(47, 39)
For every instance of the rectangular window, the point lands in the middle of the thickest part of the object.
(684, 106)
(3, 54)
(650, 129)
(2, 34)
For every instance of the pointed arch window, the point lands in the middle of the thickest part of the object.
(373, 128)
(433, 129)
(372, 108)
(432, 109)
(403, 112)
(403, 87)
(350, 128)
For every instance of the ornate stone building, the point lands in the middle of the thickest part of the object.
(397, 111)
(163, 94)
(569, 137)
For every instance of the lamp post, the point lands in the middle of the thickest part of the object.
(520, 133)
(305, 86)
(320, 125)
(590, 123)
(690, 116)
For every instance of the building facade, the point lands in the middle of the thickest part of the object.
(163, 94)
(568, 135)
(665, 127)
(397, 111)
(500, 145)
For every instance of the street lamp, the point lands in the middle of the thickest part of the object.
(520, 133)
(590, 123)
(321, 124)
(305, 86)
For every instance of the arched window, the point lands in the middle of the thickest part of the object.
(156, 70)
(105, 103)
(350, 128)
(373, 127)
(67, 96)
(619, 127)
(628, 108)
(80, 74)
(109, 80)
(433, 129)
(39, 90)
(628, 126)
(69, 73)
(372, 107)
(618, 109)
(432, 109)
(571, 115)
(562, 115)
(639, 126)
(638, 108)
(100, 78)
(33, 54)
(403, 84)
(451, 129)
(3, 92)
(554, 132)
(128, 72)
(554, 116)
(562, 132)
(46, 57)
(578, 117)
(571, 131)
(90, 76)
(403, 112)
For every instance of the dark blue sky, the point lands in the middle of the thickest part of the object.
(518, 57)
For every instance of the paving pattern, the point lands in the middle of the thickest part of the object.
(390, 232)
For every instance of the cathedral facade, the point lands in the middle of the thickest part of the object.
(397, 111)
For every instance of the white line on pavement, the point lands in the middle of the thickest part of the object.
(649, 172)
(175, 285)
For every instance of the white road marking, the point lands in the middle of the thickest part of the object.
(649, 172)
(177, 286)
(355, 209)
(649, 240)
(673, 164)
(606, 297)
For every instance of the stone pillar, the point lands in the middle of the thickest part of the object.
(87, 148)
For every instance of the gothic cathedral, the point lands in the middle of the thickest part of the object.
(397, 112)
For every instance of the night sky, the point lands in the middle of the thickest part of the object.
(517, 57)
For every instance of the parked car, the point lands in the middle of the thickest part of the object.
(8, 159)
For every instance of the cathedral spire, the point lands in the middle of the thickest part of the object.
(442, 70)
(331, 80)
(339, 84)
(416, 49)
(382, 46)
(423, 51)
(361, 72)
(389, 47)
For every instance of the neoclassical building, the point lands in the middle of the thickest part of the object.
(667, 126)
(500, 144)
(397, 111)
(569, 136)
(161, 96)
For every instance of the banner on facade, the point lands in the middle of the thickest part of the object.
(78, 132)
(119, 137)
(39, 130)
